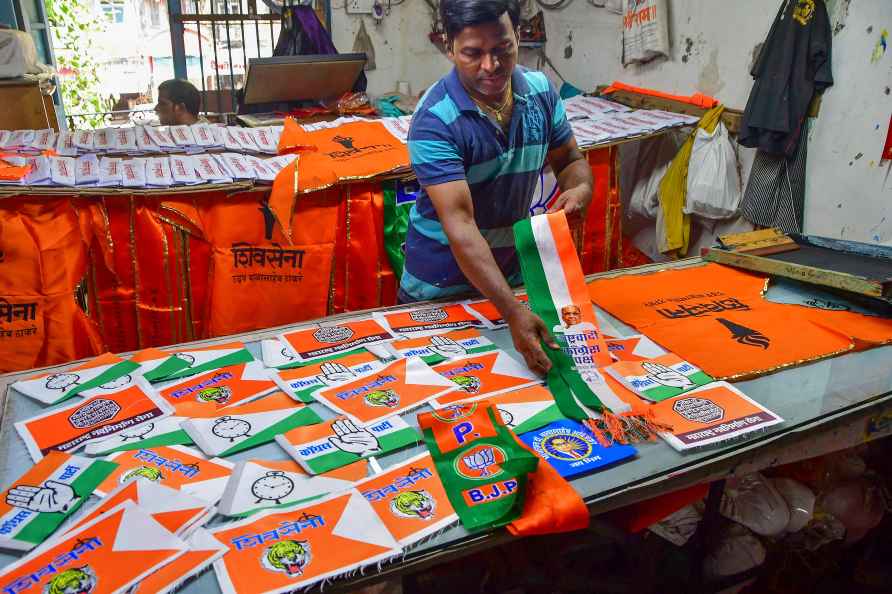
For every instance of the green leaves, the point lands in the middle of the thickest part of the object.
(73, 24)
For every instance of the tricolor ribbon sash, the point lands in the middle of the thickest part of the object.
(558, 294)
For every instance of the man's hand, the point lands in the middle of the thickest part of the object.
(574, 202)
(528, 331)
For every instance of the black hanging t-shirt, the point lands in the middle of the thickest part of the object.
(793, 65)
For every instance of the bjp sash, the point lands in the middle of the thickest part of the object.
(482, 467)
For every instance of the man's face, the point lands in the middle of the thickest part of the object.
(571, 315)
(165, 110)
(484, 56)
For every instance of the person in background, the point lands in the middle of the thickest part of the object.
(178, 103)
(478, 140)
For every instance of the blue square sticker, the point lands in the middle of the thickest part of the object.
(573, 450)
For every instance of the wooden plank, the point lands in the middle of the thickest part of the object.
(759, 243)
(807, 274)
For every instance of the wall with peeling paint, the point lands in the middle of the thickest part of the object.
(849, 193)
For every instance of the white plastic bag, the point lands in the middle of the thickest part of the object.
(752, 501)
(801, 500)
(645, 30)
(654, 156)
(713, 179)
(18, 54)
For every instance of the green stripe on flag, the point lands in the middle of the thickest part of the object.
(547, 416)
(112, 373)
(240, 356)
(543, 305)
(178, 437)
(301, 417)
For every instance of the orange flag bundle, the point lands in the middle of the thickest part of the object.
(716, 318)
(359, 150)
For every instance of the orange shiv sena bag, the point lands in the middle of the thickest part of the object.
(259, 278)
(43, 257)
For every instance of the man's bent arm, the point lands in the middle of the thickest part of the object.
(455, 209)
(574, 177)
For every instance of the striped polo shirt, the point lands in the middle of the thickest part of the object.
(452, 139)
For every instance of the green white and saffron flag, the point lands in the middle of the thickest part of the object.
(233, 432)
(35, 505)
(338, 442)
(483, 468)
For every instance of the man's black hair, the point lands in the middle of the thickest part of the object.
(182, 91)
(458, 14)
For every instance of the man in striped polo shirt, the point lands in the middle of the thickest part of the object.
(478, 140)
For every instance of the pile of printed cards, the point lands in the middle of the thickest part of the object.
(90, 170)
(594, 120)
(143, 140)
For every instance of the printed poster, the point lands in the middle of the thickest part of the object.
(282, 551)
(339, 442)
(399, 387)
(410, 499)
(484, 375)
(713, 414)
(109, 554)
(313, 343)
(177, 467)
(36, 504)
(69, 428)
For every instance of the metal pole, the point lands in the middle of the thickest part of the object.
(231, 65)
(216, 59)
(177, 38)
